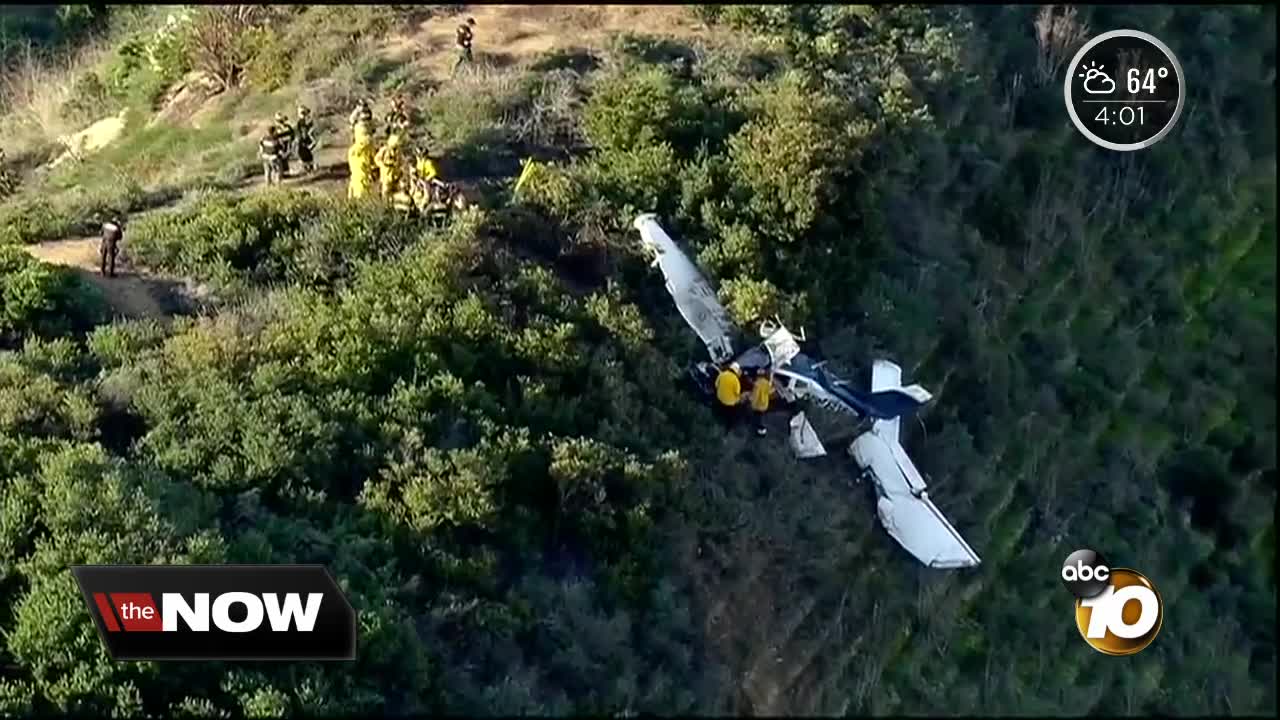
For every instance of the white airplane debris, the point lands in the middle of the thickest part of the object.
(904, 507)
(804, 439)
(695, 299)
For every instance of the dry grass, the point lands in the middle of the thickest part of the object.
(33, 90)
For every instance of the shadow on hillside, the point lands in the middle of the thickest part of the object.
(496, 60)
(579, 60)
(134, 295)
(655, 50)
(378, 70)
(322, 173)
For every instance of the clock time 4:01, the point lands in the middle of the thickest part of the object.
(1126, 115)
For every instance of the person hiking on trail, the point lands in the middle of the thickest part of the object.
(465, 35)
(362, 115)
(112, 234)
(761, 389)
(306, 139)
(269, 151)
(390, 165)
(360, 161)
(284, 141)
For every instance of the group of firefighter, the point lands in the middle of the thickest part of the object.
(730, 396)
(279, 142)
(402, 166)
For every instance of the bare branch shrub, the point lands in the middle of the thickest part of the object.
(1058, 34)
(221, 40)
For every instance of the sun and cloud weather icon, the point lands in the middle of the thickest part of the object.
(1097, 82)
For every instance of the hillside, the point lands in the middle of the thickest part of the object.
(480, 428)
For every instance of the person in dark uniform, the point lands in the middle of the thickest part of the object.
(464, 36)
(284, 140)
(112, 234)
(306, 139)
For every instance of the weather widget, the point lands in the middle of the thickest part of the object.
(1124, 90)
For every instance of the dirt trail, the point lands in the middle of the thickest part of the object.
(130, 293)
(511, 33)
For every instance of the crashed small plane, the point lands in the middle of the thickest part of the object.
(903, 505)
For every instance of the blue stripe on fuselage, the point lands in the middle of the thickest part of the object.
(881, 405)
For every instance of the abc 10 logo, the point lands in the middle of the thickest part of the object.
(1118, 610)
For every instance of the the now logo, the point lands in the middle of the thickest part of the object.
(138, 612)
(219, 612)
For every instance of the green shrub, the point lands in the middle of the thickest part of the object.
(41, 299)
(329, 246)
(749, 301)
(122, 342)
(35, 402)
(168, 50)
(640, 178)
(638, 107)
(129, 58)
(271, 63)
(272, 236)
(32, 219)
(132, 79)
(556, 190)
(221, 237)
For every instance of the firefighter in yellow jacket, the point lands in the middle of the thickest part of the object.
(729, 392)
(422, 173)
(761, 389)
(360, 161)
(390, 165)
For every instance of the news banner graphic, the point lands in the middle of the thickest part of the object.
(219, 612)
(1118, 610)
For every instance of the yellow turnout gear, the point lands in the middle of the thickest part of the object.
(760, 392)
(425, 169)
(728, 387)
(390, 164)
(360, 161)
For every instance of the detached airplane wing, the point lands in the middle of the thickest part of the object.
(905, 509)
(695, 299)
